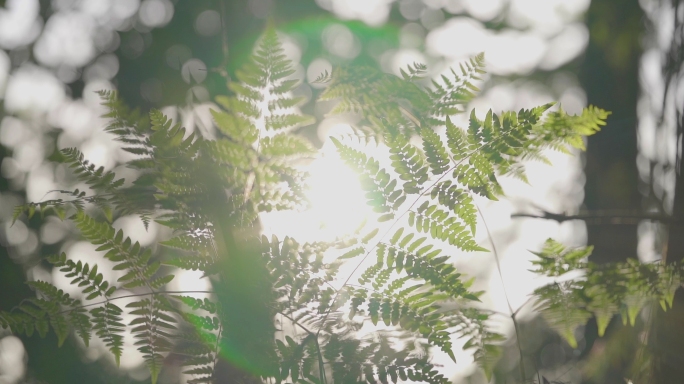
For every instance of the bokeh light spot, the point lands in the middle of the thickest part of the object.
(156, 13)
(194, 71)
(260, 8)
(177, 55)
(340, 41)
(12, 359)
(208, 23)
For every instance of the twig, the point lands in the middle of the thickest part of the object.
(604, 217)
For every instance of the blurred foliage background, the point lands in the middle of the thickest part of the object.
(622, 55)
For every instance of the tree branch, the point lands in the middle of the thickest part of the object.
(605, 217)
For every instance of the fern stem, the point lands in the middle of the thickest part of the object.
(529, 300)
(503, 283)
(321, 364)
(216, 348)
(305, 329)
(128, 296)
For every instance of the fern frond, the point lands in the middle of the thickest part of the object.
(198, 349)
(563, 308)
(55, 300)
(195, 304)
(170, 139)
(565, 130)
(85, 276)
(436, 154)
(129, 257)
(285, 103)
(235, 127)
(129, 126)
(383, 100)
(323, 78)
(49, 311)
(58, 207)
(151, 326)
(266, 77)
(457, 201)
(408, 162)
(107, 324)
(194, 263)
(278, 122)
(415, 71)
(450, 96)
(472, 324)
(209, 194)
(226, 152)
(422, 262)
(441, 225)
(86, 172)
(456, 140)
(192, 243)
(283, 145)
(380, 188)
(556, 260)
(606, 290)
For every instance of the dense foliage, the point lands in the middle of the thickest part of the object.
(275, 311)
(601, 291)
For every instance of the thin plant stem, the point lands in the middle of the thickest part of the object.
(128, 296)
(503, 283)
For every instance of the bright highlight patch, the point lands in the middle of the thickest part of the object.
(337, 203)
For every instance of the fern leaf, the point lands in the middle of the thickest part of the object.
(449, 96)
(457, 201)
(151, 326)
(442, 226)
(408, 163)
(83, 275)
(484, 342)
(380, 189)
(562, 307)
(235, 127)
(283, 145)
(86, 172)
(107, 324)
(129, 257)
(436, 154)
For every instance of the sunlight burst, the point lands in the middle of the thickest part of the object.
(337, 203)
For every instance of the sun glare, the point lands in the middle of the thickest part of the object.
(337, 203)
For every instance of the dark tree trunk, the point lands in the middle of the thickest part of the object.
(610, 77)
